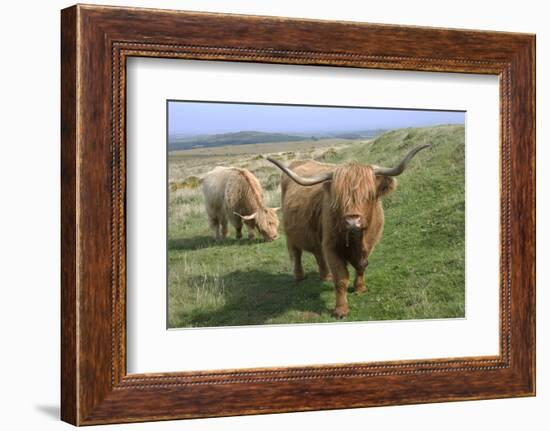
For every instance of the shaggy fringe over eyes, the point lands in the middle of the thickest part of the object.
(352, 185)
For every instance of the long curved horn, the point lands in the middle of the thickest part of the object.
(303, 181)
(248, 217)
(398, 170)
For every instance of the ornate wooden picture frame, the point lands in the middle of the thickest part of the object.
(96, 41)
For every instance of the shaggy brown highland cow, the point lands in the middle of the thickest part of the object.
(335, 212)
(235, 195)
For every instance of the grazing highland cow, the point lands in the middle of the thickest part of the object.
(235, 195)
(335, 212)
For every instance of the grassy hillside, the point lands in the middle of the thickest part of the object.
(416, 271)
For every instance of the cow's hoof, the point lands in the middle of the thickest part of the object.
(299, 278)
(340, 312)
(361, 290)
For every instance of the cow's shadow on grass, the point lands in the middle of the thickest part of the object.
(257, 297)
(205, 241)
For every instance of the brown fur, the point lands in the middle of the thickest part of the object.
(314, 221)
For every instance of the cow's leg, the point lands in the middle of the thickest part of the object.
(251, 234)
(360, 266)
(214, 225)
(340, 275)
(223, 226)
(237, 222)
(296, 256)
(359, 283)
(324, 272)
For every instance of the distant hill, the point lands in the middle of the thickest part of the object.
(239, 138)
(182, 142)
(358, 134)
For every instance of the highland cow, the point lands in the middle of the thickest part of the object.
(335, 213)
(235, 195)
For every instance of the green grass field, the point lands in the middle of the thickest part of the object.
(416, 271)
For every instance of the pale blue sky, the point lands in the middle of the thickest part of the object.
(198, 118)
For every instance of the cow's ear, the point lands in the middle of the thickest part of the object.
(248, 217)
(385, 185)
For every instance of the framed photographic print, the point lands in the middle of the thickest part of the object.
(286, 215)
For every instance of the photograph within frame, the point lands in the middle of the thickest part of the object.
(216, 279)
(153, 347)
